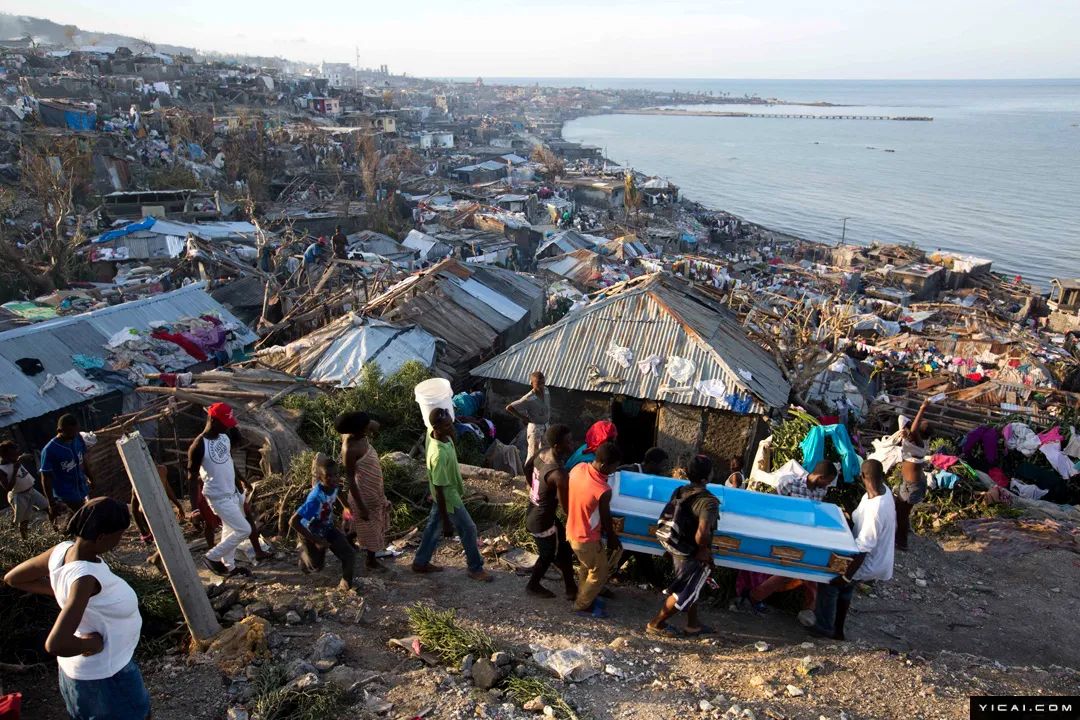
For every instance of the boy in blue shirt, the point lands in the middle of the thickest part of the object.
(314, 524)
(64, 475)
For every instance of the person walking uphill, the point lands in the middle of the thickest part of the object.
(313, 522)
(685, 530)
(548, 489)
(95, 635)
(64, 475)
(533, 409)
(448, 511)
(366, 494)
(210, 462)
(588, 519)
(874, 525)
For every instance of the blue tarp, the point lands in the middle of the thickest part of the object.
(144, 224)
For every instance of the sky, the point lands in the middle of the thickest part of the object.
(789, 39)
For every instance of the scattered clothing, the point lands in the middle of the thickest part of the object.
(985, 437)
(1024, 490)
(813, 448)
(1020, 437)
(1057, 459)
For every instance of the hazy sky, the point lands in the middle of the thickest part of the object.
(618, 38)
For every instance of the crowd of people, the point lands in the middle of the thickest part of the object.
(95, 634)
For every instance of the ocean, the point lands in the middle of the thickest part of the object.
(995, 174)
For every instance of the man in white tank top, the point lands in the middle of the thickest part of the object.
(210, 462)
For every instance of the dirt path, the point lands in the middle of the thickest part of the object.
(982, 624)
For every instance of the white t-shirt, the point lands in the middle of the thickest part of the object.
(23, 479)
(875, 533)
(217, 471)
(113, 613)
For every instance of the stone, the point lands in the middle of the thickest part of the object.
(735, 710)
(807, 646)
(807, 666)
(274, 639)
(748, 714)
(718, 700)
(705, 705)
(237, 714)
(620, 643)
(919, 582)
(534, 705)
(293, 618)
(344, 677)
(501, 659)
(549, 711)
(260, 609)
(377, 705)
(757, 681)
(234, 614)
(793, 691)
(486, 674)
(308, 680)
(467, 663)
(369, 584)
(325, 664)
(614, 672)
(297, 668)
(226, 599)
(761, 646)
(327, 647)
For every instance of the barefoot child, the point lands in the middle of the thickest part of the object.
(314, 523)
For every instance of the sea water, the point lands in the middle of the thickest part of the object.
(995, 174)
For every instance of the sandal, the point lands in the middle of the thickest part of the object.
(666, 631)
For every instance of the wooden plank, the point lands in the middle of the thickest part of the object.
(179, 566)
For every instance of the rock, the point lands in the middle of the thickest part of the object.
(237, 714)
(344, 677)
(1055, 589)
(549, 711)
(226, 599)
(308, 680)
(734, 710)
(325, 664)
(485, 674)
(806, 618)
(718, 700)
(501, 659)
(369, 584)
(919, 582)
(793, 691)
(259, 609)
(614, 672)
(467, 663)
(807, 646)
(234, 614)
(293, 618)
(761, 646)
(807, 666)
(620, 643)
(297, 668)
(534, 705)
(327, 647)
(274, 639)
(705, 705)
(748, 714)
(376, 705)
(757, 681)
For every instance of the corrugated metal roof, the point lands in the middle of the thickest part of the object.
(661, 316)
(55, 341)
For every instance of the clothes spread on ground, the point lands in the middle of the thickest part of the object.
(985, 437)
(1072, 449)
(813, 448)
(1057, 459)
(1025, 490)
(317, 512)
(1020, 437)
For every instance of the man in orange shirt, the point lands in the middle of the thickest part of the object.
(588, 519)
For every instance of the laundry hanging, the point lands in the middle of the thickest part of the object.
(680, 369)
(621, 355)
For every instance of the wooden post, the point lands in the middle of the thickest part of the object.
(186, 584)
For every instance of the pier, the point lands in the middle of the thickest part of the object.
(784, 116)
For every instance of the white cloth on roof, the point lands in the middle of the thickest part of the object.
(122, 336)
(1058, 460)
(714, 388)
(621, 355)
(72, 379)
(680, 369)
(650, 365)
(1020, 437)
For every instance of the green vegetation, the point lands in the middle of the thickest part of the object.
(275, 701)
(389, 398)
(440, 633)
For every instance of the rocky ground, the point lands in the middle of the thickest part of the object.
(960, 618)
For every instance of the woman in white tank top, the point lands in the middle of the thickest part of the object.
(95, 635)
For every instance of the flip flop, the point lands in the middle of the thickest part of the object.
(666, 631)
(703, 630)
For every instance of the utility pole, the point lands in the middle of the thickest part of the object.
(356, 70)
(843, 232)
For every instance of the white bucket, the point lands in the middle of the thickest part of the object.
(434, 393)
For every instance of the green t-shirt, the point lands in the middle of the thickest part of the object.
(443, 472)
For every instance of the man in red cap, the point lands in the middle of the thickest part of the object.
(210, 463)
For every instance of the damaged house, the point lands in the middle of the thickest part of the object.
(663, 360)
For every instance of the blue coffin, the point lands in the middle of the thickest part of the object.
(795, 537)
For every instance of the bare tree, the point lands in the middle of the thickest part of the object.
(552, 167)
